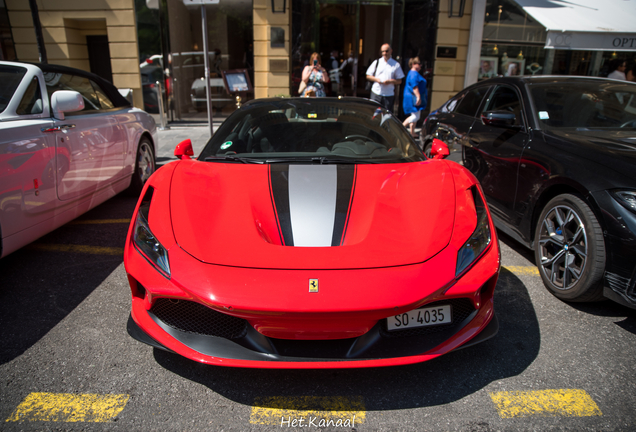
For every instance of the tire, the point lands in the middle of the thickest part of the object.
(568, 232)
(145, 165)
(427, 145)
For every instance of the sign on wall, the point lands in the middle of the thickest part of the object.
(596, 41)
(446, 52)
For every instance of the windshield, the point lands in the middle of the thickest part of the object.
(10, 77)
(313, 130)
(590, 104)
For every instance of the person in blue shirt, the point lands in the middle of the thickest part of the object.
(415, 95)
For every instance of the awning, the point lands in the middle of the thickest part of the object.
(607, 25)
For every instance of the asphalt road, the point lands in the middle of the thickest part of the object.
(67, 363)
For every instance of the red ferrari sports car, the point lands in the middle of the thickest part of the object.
(311, 233)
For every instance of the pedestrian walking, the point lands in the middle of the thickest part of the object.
(385, 73)
(415, 95)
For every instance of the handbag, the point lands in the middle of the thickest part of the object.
(301, 87)
(369, 84)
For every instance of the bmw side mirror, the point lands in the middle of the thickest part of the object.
(184, 149)
(499, 118)
(439, 149)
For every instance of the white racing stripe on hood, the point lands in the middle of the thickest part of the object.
(312, 203)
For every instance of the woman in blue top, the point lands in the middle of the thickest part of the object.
(415, 95)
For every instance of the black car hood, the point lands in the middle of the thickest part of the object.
(613, 149)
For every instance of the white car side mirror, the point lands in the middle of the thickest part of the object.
(63, 101)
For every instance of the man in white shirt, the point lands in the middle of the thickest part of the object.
(618, 69)
(385, 73)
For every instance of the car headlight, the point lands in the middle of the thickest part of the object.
(145, 241)
(627, 198)
(480, 238)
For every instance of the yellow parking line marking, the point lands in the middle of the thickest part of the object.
(307, 411)
(67, 407)
(99, 221)
(545, 403)
(93, 250)
(523, 270)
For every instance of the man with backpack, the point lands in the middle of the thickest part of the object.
(385, 73)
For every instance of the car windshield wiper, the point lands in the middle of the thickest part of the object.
(233, 158)
(334, 160)
(320, 160)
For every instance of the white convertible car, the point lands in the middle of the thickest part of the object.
(68, 142)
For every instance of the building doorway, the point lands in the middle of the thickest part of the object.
(352, 29)
(99, 56)
(360, 28)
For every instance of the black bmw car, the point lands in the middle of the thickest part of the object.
(556, 157)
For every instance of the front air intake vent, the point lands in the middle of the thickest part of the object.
(191, 317)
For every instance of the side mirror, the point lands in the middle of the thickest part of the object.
(439, 149)
(63, 101)
(499, 118)
(184, 149)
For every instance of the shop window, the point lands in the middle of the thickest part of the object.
(230, 44)
(513, 42)
(506, 21)
(513, 60)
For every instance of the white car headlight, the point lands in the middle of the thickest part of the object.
(480, 238)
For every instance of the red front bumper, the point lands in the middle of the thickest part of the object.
(340, 326)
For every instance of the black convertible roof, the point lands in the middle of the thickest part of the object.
(111, 91)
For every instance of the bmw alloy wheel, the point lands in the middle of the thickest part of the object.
(563, 247)
(570, 250)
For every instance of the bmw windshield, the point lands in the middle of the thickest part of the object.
(311, 130)
(585, 104)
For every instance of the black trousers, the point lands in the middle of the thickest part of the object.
(385, 101)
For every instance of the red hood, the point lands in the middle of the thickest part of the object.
(399, 214)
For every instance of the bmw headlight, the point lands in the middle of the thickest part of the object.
(627, 198)
(480, 238)
(146, 242)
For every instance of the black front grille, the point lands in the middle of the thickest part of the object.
(461, 309)
(192, 317)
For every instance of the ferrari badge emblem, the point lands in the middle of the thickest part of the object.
(313, 285)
